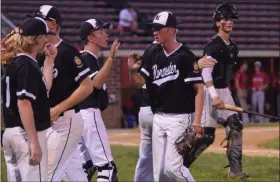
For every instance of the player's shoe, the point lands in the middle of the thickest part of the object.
(240, 175)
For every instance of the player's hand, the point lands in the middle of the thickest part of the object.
(55, 112)
(197, 129)
(218, 103)
(36, 154)
(206, 62)
(133, 62)
(114, 49)
(50, 52)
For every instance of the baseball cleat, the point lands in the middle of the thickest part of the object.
(240, 175)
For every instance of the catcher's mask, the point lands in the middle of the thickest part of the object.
(225, 10)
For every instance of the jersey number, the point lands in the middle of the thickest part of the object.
(8, 97)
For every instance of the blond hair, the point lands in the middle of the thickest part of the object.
(14, 43)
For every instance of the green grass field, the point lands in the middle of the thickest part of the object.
(209, 167)
(273, 144)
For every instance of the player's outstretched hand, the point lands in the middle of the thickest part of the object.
(36, 154)
(218, 103)
(114, 49)
(55, 112)
(133, 62)
(206, 61)
(50, 52)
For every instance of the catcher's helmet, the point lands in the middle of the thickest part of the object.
(225, 10)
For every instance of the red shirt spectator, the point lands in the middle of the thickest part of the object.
(242, 79)
(259, 80)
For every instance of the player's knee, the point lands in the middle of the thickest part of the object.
(235, 123)
(209, 136)
(108, 172)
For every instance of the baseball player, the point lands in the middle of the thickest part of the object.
(176, 89)
(241, 84)
(92, 33)
(259, 84)
(217, 79)
(144, 167)
(25, 96)
(70, 85)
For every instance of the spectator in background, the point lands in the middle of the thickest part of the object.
(259, 84)
(241, 85)
(128, 20)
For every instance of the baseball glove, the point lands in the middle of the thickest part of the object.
(186, 142)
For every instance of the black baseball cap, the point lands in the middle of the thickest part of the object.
(165, 19)
(91, 25)
(48, 12)
(34, 26)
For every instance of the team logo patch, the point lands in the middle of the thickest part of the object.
(195, 67)
(78, 62)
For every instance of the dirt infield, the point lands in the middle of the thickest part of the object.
(252, 138)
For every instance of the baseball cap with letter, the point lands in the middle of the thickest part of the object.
(91, 25)
(33, 27)
(48, 12)
(164, 19)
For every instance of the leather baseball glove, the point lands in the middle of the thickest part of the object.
(186, 142)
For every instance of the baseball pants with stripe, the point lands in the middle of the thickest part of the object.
(167, 162)
(95, 139)
(16, 147)
(63, 138)
(144, 167)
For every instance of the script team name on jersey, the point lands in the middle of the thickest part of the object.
(165, 74)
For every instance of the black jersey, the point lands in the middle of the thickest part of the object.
(69, 71)
(172, 77)
(23, 79)
(149, 53)
(99, 97)
(226, 56)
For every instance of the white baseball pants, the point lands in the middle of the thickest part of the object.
(167, 162)
(144, 167)
(95, 137)
(210, 114)
(16, 146)
(63, 138)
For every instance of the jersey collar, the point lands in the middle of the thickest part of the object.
(57, 44)
(91, 53)
(23, 54)
(167, 55)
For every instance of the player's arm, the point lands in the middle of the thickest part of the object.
(102, 76)
(82, 92)
(134, 63)
(199, 101)
(27, 119)
(27, 91)
(208, 80)
(79, 71)
(50, 52)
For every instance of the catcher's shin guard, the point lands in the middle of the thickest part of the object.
(234, 128)
(108, 173)
(201, 145)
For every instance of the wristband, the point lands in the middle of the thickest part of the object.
(212, 91)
